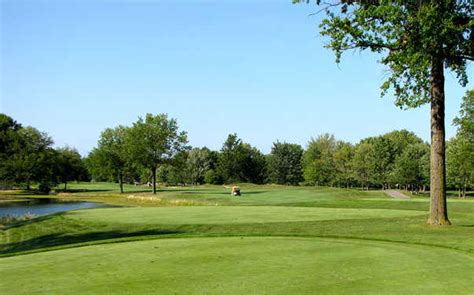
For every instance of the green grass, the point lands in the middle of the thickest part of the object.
(231, 214)
(275, 239)
(240, 265)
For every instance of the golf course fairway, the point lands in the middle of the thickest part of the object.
(270, 265)
(230, 214)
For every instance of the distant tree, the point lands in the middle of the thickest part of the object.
(198, 162)
(460, 163)
(465, 120)
(418, 40)
(177, 169)
(10, 143)
(212, 176)
(32, 159)
(240, 162)
(409, 166)
(363, 163)
(69, 166)
(113, 153)
(401, 139)
(343, 163)
(153, 141)
(284, 164)
(98, 169)
(253, 165)
(460, 149)
(383, 159)
(230, 160)
(8, 135)
(27, 157)
(162, 173)
(318, 160)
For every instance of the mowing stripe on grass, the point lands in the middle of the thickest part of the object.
(231, 214)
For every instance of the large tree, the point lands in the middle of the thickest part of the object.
(318, 160)
(418, 41)
(460, 149)
(460, 163)
(465, 120)
(198, 163)
(69, 166)
(155, 140)
(408, 170)
(363, 163)
(113, 152)
(284, 163)
(343, 163)
(240, 162)
(32, 159)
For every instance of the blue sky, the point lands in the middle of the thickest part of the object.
(257, 68)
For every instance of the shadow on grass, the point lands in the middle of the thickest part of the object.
(63, 239)
(28, 221)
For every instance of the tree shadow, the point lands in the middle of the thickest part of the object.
(28, 221)
(62, 239)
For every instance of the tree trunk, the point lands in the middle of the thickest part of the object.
(153, 171)
(120, 179)
(438, 207)
(65, 185)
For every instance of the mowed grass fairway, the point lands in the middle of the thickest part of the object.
(273, 240)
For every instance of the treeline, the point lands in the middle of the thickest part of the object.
(27, 157)
(153, 150)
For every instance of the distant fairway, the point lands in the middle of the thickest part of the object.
(231, 214)
(240, 266)
(273, 240)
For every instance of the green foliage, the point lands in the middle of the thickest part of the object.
(153, 141)
(96, 167)
(343, 164)
(386, 149)
(409, 166)
(177, 173)
(26, 156)
(198, 163)
(240, 162)
(465, 120)
(460, 163)
(363, 163)
(211, 177)
(284, 164)
(69, 166)
(460, 149)
(10, 141)
(410, 35)
(318, 160)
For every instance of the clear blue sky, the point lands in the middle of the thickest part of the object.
(257, 68)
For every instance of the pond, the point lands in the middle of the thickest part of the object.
(44, 206)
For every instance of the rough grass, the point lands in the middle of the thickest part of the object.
(274, 239)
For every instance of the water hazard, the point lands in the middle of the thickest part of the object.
(44, 206)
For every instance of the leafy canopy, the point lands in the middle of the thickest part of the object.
(408, 34)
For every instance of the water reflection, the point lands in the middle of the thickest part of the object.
(44, 206)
